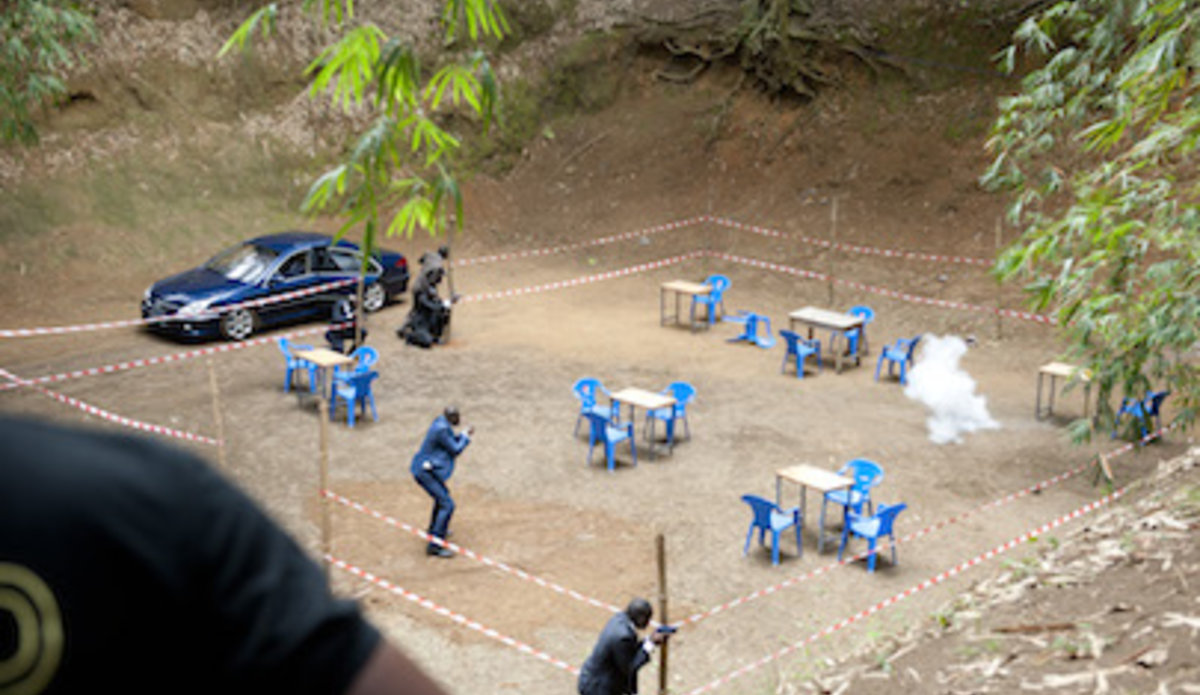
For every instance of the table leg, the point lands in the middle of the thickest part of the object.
(804, 506)
(1037, 404)
(1050, 399)
(662, 306)
(779, 491)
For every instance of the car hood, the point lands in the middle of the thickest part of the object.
(197, 284)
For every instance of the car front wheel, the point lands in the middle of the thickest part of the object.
(238, 324)
(374, 297)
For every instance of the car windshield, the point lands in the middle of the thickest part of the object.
(245, 263)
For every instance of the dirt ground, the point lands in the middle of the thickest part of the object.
(901, 178)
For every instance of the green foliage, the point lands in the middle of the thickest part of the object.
(395, 176)
(1098, 152)
(39, 43)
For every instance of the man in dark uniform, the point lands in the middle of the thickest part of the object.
(129, 566)
(432, 467)
(430, 313)
(613, 665)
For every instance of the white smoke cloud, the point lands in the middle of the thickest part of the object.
(949, 392)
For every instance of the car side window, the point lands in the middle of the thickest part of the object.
(346, 261)
(323, 261)
(295, 266)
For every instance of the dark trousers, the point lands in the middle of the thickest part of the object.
(443, 504)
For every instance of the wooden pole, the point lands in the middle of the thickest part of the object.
(216, 401)
(999, 299)
(326, 521)
(832, 249)
(660, 546)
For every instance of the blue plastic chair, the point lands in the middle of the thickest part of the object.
(855, 334)
(355, 390)
(768, 516)
(899, 354)
(294, 363)
(713, 299)
(1144, 411)
(866, 474)
(586, 390)
(873, 528)
(798, 349)
(684, 394)
(606, 432)
(750, 323)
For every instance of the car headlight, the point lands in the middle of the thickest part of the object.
(148, 293)
(195, 308)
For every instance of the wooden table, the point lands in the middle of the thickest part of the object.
(806, 476)
(647, 400)
(680, 288)
(325, 359)
(836, 321)
(1067, 371)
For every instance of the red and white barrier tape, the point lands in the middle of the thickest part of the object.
(447, 613)
(1011, 497)
(503, 567)
(167, 359)
(916, 299)
(583, 280)
(111, 417)
(201, 316)
(928, 583)
(840, 246)
(547, 251)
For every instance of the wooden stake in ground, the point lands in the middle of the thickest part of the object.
(220, 423)
(660, 546)
(833, 247)
(326, 521)
(999, 305)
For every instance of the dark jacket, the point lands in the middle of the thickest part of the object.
(612, 668)
(440, 448)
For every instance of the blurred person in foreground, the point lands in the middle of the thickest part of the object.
(133, 567)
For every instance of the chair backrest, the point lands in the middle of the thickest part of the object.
(286, 346)
(599, 425)
(866, 474)
(367, 356)
(1154, 401)
(911, 346)
(887, 516)
(719, 283)
(762, 508)
(866, 312)
(585, 390)
(683, 392)
(790, 336)
(361, 381)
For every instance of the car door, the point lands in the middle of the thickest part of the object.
(293, 273)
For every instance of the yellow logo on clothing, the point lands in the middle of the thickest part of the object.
(27, 667)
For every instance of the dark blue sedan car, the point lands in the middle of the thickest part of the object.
(260, 269)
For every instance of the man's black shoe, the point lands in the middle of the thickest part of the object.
(436, 551)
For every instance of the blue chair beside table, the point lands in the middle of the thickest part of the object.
(798, 350)
(587, 390)
(872, 528)
(355, 391)
(294, 363)
(1145, 411)
(770, 517)
(684, 394)
(713, 299)
(899, 354)
(604, 431)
